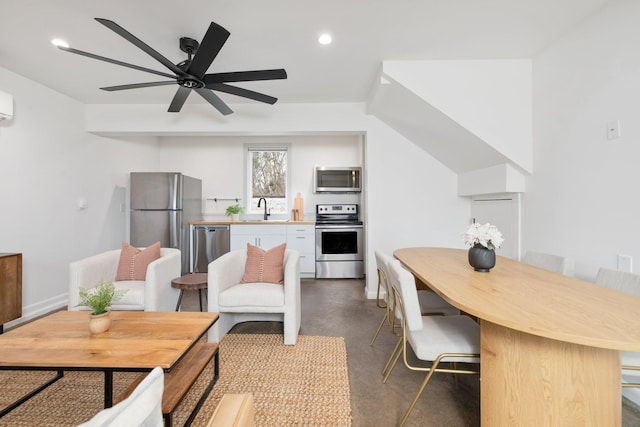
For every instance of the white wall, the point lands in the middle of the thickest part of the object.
(489, 98)
(48, 163)
(582, 199)
(412, 198)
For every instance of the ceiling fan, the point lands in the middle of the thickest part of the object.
(190, 74)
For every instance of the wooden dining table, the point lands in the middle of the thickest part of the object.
(550, 344)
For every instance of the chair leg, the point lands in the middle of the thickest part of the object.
(378, 293)
(200, 298)
(375, 336)
(420, 390)
(392, 361)
(179, 299)
(630, 368)
(454, 365)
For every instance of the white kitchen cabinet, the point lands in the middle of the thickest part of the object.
(264, 236)
(302, 238)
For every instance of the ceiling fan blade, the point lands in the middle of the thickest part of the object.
(114, 61)
(245, 76)
(245, 93)
(179, 99)
(136, 86)
(213, 40)
(214, 100)
(141, 45)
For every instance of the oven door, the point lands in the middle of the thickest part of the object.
(339, 243)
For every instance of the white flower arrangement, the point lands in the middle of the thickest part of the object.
(486, 235)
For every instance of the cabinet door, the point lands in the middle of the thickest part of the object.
(10, 287)
(268, 241)
(308, 264)
(264, 236)
(301, 243)
(302, 238)
(239, 241)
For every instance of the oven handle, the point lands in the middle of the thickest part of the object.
(336, 226)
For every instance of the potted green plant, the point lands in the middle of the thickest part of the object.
(234, 212)
(99, 299)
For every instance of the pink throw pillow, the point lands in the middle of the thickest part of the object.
(264, 266)
(133, 262)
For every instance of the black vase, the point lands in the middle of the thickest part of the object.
(481, 258)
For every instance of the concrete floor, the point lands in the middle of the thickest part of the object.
(339, 308)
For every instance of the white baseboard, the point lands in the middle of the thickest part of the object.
(633, 394)
(40, 309)
(373, 293)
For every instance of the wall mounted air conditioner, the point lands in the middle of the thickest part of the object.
(6, 106)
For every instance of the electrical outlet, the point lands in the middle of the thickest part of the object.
(625, 263)
(613, 129)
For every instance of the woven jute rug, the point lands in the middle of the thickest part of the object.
(302, 385)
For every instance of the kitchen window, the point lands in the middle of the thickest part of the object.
(268, 177)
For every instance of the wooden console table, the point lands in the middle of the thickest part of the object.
(550, 344)
(10, 288)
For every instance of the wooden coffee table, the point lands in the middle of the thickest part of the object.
(62, 342)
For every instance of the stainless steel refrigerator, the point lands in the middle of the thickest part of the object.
(162, 205)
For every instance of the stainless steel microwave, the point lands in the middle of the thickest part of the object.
(331, 179)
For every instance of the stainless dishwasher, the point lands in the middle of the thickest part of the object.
(208, 242)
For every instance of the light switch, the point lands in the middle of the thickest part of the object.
(82, 203)
(625, 263)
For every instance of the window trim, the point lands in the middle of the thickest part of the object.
(248, 148)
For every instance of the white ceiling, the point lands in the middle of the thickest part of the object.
(271, 34)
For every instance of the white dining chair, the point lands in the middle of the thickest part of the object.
(385, 301)
(628, 283)
(559, 264)
(437, 339)
(431, 304)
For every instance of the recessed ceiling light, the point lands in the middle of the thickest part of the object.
(59, 43)
(324, 39)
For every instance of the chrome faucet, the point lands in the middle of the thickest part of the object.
(266, 215)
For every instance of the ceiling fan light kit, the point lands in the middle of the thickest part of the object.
(190, 74)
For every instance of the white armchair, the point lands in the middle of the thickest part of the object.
(236, 302)
(153, 294)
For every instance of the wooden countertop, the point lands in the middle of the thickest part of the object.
(252, 222)
(530, 299)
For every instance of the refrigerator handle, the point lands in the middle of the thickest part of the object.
(175, 192)
(174, 225)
